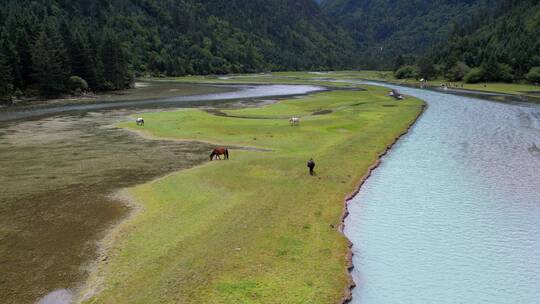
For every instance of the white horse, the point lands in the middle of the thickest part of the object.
(294, 121)
(140, 121)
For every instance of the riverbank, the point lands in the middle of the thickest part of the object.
(142, 90)
(255, 228)
(348, 294)
(516, 89)
(456, 221)
(525, 91)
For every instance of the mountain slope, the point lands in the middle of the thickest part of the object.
(296, 32)
(505, 46)
(388, 28)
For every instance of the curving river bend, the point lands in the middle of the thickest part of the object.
(452, 215)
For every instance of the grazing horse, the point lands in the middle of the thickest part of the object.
(140, 121)
(219, 151)
(294, 121)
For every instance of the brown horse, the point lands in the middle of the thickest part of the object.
(219, 151)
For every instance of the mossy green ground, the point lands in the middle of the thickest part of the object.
(255, 228)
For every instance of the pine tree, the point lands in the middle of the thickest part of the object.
(83, 60)
(11, 57)
(6, 79)
(23, 45)
(491, 68)
(426, 67)
(398, 62)
(115, 63)
(50, 74)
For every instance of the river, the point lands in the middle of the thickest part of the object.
(452, 215)
(174, 99)
(62, 167)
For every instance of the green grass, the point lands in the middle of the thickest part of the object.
(507, 88)
(274, 78)
(388, 76)
(256, 228)
(497, 87)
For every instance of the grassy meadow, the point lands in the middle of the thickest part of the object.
(255, 228)
(495, 87)
(387, 76)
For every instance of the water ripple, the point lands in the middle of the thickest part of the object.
(453, 213)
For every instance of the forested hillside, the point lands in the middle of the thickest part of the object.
(50, 47)
(55, 46)
(471, 40)
(501, 47)
(388, 28)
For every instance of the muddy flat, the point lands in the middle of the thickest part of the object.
(63, 164)
(57, 200)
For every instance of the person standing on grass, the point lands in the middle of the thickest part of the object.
(311, 166)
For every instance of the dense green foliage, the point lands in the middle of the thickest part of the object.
(106, 43)
(407, 71)
(473, 76)
(6, 80)
(44, 42)
(504, 47)
(495, 43)
(501, 38)
(388, 28)
(534, 75)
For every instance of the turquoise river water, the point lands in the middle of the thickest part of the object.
(453, 213)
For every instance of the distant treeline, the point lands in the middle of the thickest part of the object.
(497, 45)
(49, 47)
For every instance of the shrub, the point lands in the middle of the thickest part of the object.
(534, 75)
(506, 73)
(77, 84)
(407, 71)
(458, 72)
(475, 75)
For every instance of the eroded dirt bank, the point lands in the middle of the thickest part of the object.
(347, 297)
